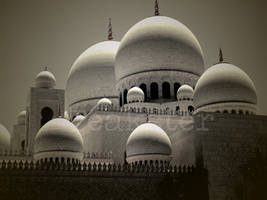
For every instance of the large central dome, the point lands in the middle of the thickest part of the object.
(158, 43)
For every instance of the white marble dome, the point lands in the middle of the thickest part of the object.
(4, 138)
(148, 142)
(21, 117)
(158, 43)
(185, 92)
(58, 138)
(135, 94)
(104, 101)
(91, 77)
(78, 119)
(45, 79)
(227, 85)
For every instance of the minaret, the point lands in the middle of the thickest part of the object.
(110, 37)
(156, 13)
(220, 56)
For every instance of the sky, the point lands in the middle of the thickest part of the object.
(53, 33)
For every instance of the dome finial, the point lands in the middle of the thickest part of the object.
(110, 37)
(45, 69)
(156, 13)
(221, 55)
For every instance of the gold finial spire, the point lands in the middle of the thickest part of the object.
(221, 55)
(156, 13)
(110, 37)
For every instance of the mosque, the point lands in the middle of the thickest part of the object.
(143, 101)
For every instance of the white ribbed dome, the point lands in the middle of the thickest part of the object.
(185, 92)
(92, 76)
(4, 138)
(45, 79)
(158, 43)
(58, 138)
(78, 119)
(224, 83)
(148, 142)
(135, 94)
(21, 117)
(104, 101)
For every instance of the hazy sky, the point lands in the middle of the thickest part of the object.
(36, 33)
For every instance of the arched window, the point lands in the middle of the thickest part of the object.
(177, 108)
(175, 88)
(143, 87)
(154, 91)
(120, 99)
(190, 109)
(233, 112)
(125, 96)
(47, 114)
(166, 93)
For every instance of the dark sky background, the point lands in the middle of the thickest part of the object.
(36, 33)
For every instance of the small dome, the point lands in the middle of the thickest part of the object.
(158, 43)
(45, 79)
(21, 117)
(224, 83)
(135, 94)
(104, 101)
(58, 138)
(148, 142)
(185, 92)
(78, 119)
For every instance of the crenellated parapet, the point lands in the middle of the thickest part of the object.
(156, 168)
(131, 109)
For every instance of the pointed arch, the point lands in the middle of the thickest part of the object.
(154, 91)
(143, 87)
(166, 93)
(46, 115)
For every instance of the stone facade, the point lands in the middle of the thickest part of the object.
(106, 130)
(224, 145)
(31, 180)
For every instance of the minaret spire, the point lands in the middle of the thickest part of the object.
(110, 37)
(156, 13)
(221, 55)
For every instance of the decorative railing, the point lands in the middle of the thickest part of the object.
(96, 155)
(154, 111)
